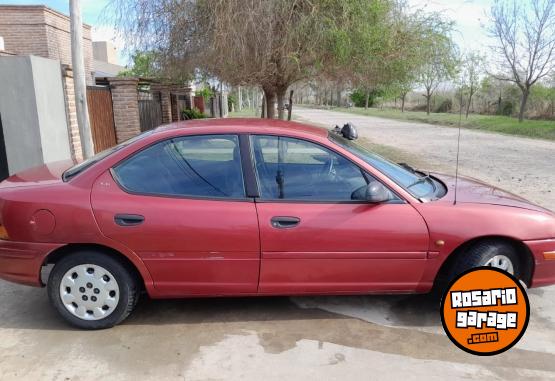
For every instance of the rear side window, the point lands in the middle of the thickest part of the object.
(197, 166)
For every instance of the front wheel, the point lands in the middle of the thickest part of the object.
(500, 255)
(92, 290)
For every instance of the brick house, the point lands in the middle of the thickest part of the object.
(40, 31)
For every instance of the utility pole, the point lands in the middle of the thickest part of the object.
(79, 83)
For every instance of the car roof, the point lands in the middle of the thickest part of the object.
(252, 125)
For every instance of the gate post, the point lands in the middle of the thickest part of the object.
(125, 100)
(165, 101)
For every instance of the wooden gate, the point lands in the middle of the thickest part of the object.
(150, 110)
(101, 117)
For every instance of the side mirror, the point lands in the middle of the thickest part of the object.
(375, 193)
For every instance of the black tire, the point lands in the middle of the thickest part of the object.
(128, 288)
(480, 253)
(474, 256)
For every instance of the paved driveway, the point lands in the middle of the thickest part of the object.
(347, 338)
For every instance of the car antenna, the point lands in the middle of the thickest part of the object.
(458, 150)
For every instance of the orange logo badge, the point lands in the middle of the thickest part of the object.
(485, 311)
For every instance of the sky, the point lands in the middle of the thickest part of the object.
(469, 17)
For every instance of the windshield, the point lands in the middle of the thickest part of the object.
(417, 185)
(78, 168)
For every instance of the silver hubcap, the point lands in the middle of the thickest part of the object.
(89, 292)
(501, 262)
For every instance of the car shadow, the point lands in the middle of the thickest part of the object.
(28, 308)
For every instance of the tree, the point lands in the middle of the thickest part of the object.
(525, 46)
(271, 44)
(472, 68)
(144, 65)
(383, 45)
(440, 61)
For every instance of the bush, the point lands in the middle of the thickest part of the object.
(205, 92)
(505, 108)
(358, 97)
(194, 113)
(231, 102)
(445, 106)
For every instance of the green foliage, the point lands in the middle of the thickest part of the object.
(206, 92)
(144, 66)
(194, 113)
(358, 96)
(505, 108)
(445, 106)
(231, 101)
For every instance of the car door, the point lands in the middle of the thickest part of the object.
(316, 239)
(180, 204)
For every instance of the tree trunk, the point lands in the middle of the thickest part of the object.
(270, 104)
(428, 101)
(523, 101)
(403, 96)
(239, 99)
(281, 94)
(469, 103)
(290, 109)
(367, 100)
(263, 112)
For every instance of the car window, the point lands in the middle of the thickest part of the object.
(408, 179)
(294, 169)
(199, 166)
(82, 166)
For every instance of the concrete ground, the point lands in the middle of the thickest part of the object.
(348, 338)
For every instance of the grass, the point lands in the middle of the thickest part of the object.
(245, 113)
(542, 129)
(251, 113)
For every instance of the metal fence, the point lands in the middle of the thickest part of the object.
(150, 110)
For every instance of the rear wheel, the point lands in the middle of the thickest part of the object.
(92, 290)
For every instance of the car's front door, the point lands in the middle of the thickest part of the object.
(180, 205)
(315, 238)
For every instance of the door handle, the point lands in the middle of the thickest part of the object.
(282, 222)
(129, 219)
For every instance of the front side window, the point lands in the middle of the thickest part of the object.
(197, 166)
(294, 169)
(418, 186)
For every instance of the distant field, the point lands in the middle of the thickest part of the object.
(543, 129)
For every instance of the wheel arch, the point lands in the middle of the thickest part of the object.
(526, 257)
(134, 265)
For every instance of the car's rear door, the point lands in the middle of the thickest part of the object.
(316, 239)
(180, 204)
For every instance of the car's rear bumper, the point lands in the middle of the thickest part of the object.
(21, 262)
(544, 269)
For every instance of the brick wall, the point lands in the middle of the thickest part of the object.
(125, 101)
(40, 31)
(71, 113)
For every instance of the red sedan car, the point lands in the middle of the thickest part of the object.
(254, 207)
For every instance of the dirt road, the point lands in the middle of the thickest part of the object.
(325, 338)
